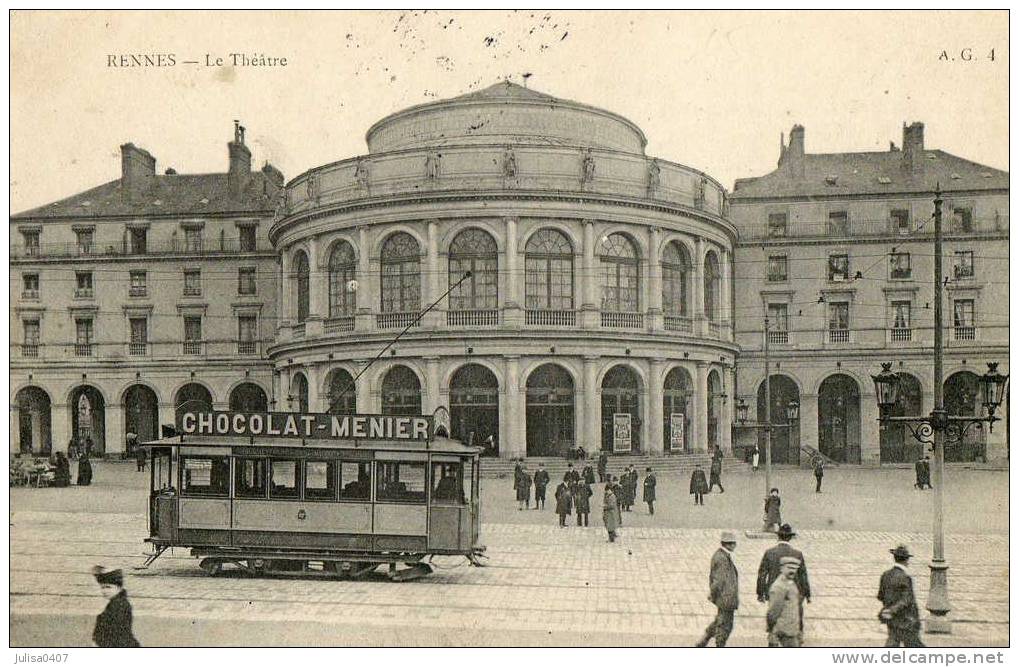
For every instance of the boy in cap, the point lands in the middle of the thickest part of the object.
(113, 626)
(723, 584)
(783, 617)
(899, 610)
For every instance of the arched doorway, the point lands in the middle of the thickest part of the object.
(785, 437)
(248, 397)
(620, 395)
(34, 434)
(838, 419)
(714, 409)
(897, 444)
(401, 392)
(88, 417)
(474, 407)
(962, 399)
(298, 397)
(550, 411)
(141, 414)
(676, 409)
(342, 393)
(192, 397)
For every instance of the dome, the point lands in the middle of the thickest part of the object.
(505, 113)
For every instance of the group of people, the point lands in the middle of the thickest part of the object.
(57, 470)
(783, 584)
(700, 486)
(923, 474)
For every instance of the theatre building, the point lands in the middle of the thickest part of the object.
(148, 294)
(596, 307)
(837, 250)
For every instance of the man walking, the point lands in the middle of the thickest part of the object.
(723, 584)
(784, 618)
(563, 501)
(541, 480)
(617, 493)
(770, 570)
(603, 465)
(650, 482)
(898, 604)
(716, 472)
(698, 485)
(818, 472)
(582, 501)
(632, 487)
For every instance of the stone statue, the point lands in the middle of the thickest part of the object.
(698, 198)
(362, 174)
(509, 163)
(725, 205)
(313, 187)
(654, 177)
(281, 204)
(587, 173)
(432, 165)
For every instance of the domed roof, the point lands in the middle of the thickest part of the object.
(505, 113)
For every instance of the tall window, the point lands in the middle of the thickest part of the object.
(838, 223)
(192, 335)
(401, 274)
(83, 284)
(474, 250)
(778, 224)
(30, 348)
(963, 267)
(247, 334)
(838, 316)
(246, 280)
(139, 241)
(193, 240)
(247, 238)
(778, 268)
(675, 274)
(83, 337)
(139, 283)
(192, 282)
(31, 242)
(712, 279)
(139, 335)
(901, 314)
(620, 275)
(778, 316)
(342, 269)
(86, 238)
(899, 266)
(838, 268)
(303, 273)
(30, 286)
(962, 219)
(900, 221)
(548, 270)
(963, 313)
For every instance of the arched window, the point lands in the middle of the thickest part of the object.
(548, 271)
(342, 393)
(401, 392)
(299, 393)
(342, 269)
(675, 274)
(620, 275)
(712, 276)
(401, 274)
(303, 273)
(474, 250)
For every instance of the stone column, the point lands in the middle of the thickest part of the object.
(725, 418)
(286, 302)
(317, 290)
(592, 405)
(512, 429)
(368, 285)
(115, 429)
(363, 390)
(654, 271)
(809, 420)
(15, 414)
(656, 408)
(870, 434)
(315, 402)
(700, 324)
(725, 294)
(590, 303)
(512, 286)
(432, 285)
(701, 397)
(166, 416)
(430, 400)
(60, 425)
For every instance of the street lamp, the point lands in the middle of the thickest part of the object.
(935, 430)
(792, 413)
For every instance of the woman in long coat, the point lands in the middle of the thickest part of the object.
(563, 502)
(773, 511)
(610, 513)
(113, 626)
(84, 470)
(582, 499)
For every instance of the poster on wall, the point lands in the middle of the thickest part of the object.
(676, 433)
(621, 432)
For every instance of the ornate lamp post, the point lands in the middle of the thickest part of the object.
(934, 429)
(792, 413)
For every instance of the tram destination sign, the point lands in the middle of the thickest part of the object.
(306, 425)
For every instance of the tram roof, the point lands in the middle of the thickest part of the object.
(437, 444)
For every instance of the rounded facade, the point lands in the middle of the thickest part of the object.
(577, 291)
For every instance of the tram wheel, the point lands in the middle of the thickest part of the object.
(212, 566)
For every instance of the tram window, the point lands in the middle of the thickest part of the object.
(402, 482)
(320, 480)
(205, 475)
(283, 482)
(447, 484)
(355, 481)
(249, 478)
(162, 478)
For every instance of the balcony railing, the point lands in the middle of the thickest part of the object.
(30, 350)
(137, 349)
(989, 225)
(192, 290)
(247, 347)
(901, 335)
(138, 290)
(83, 293)
(551, 318)
(192, 347)
(345, 323)
(622, 320)
(208, 247)
(965, 333)
(396, 320)
(778, 337)
(83, 349)
(838, 335)
(472, 318)
(678, 323)
(30, 294)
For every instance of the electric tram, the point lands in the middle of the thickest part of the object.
(332, 495)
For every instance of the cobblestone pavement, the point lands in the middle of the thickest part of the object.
(567, 584)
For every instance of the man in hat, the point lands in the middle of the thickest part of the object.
(723, 585)
(698, 485)
(541, 480)
(784, 618)
(716, 472)
(898, 604)
(650, 482)
(818, 473)
(113, 626)
(771, 567)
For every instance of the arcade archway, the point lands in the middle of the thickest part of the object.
(474, 407)
(550, 411)
(785, 437)
(401, 392)
(962, 398)
(192, 397)
(676, 396)
(342, 393)
(248, 397)
(838, 419)
(141, 414)
(620, 395)
(897, 444)
(34, 434)
(88, 417)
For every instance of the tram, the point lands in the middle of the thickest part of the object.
(314, 494)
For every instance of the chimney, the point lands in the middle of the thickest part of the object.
(137, 168)
(240, 160)
(912, 147)
(792, 157)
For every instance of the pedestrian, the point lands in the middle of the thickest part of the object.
(771, 569)
(541, 480)
(582, 500)
(113, 626)
(898, 604)
(72, 448)
(698, 485)
(62, 471)
(818, 472)
(603, 465)
(773, 511)
(784, 608)
(572, 476)
(588, 474)
(927, 472)
(140, 457)
(629, 482)
(918, 468)
(716, 472)
(634, 479)
(89, 445)
(84, 470)
(617, 492)
(610, 512)
(755, 458)
(650, 482)
(723, 586)
(523, 489)
(563, 502)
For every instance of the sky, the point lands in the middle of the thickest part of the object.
(712, 90)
